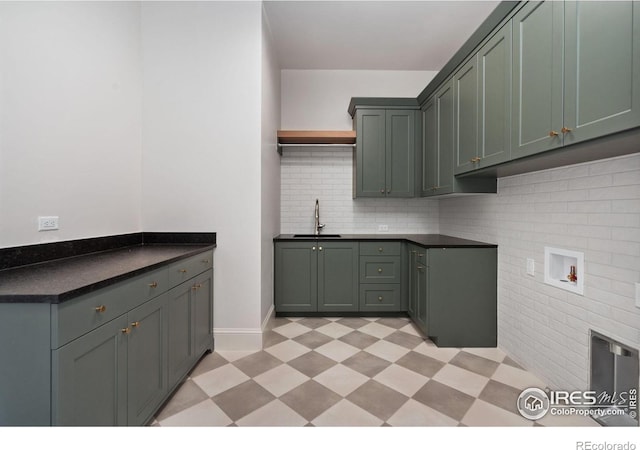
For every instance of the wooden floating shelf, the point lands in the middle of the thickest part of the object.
(345, 137)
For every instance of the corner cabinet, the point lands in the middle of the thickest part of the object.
(385, 153)
(316, 276)
(444, 135)
(576, 73)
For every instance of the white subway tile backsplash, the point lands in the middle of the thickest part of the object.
(593, 208)
(327, 175)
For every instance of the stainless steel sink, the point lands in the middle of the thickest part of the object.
(314, 236)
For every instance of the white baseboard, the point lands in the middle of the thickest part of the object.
(237, 339)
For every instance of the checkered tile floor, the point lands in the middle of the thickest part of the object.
(353, 372)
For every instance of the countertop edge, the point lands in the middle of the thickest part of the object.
(92, 287)
(405, 238)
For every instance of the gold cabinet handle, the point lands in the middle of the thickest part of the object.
(196, 287)
(553, 133)
(382, 191)
(421, 254)
(153, 285)
(100, 308)
(126, 330)
(420, 267)
(313, 249)
(182, 270)
(380, 270)
(380, 249)
(413, 252)
(135, 324)
(565, 130)
(380, 298)
(205, 261)
(319, 249)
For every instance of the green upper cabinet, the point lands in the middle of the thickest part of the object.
(386, 139)
(465, 84)
(537, 78)
(429, 178)
(602, 68)
(576, 73)
(440, 138)
(494, 100)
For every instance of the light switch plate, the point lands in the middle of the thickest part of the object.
(531, 267)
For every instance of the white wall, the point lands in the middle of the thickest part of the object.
(592, 208)
(70, 108)
(270, 174)
(318, 99)
(202, 145)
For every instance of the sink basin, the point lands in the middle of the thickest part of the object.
(314, 236)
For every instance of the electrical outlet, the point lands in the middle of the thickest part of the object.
(638, 295)
(383, 227)
(47, 223)
(531, 267)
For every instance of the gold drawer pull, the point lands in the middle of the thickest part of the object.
(565, 130)
(135, 324)
(100, 308)
(153, 285)
(196, 286)
(380, 298)
(182, 270)
(380, 249)
(380, 270)
(126, 330)
(553, 133)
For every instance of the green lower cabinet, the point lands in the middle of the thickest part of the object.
(90, 375)
(337, 276)
(462, 297)
(418, 300)
(190, 324)
(316, 276)
(380, 297)
(146, 359)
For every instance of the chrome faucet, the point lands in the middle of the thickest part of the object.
(318, 225)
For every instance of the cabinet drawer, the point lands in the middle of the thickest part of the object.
(380, 248)
(376, 297)
(189, 268)
(377, 269)
(76, 317)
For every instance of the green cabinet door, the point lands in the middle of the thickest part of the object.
(337, 276)
(465, 85)
(494, 99)
(400, 153)
(445, 126)
(602, 68)
(296, 276)
(90, 375)
(537, 78)
(429, 149)
(370, 176)
(180, 347)
(146, 359)
(462, 297)
(203, 313)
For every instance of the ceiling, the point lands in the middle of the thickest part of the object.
(372, 35)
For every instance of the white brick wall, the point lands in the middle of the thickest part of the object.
(326, 173)
(593, 208)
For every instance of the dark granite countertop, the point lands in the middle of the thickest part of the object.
(423, 240)
(58, 280)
